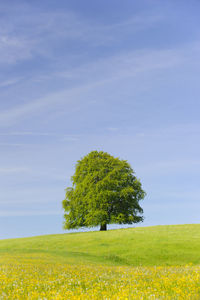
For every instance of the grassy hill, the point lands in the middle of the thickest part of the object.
(161, 262)
(144, 246)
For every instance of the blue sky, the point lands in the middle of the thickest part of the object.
(118, 76)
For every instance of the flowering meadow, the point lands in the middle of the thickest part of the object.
(157, 263)
(35, 279)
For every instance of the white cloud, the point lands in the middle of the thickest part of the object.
(113, 129)
(96, 75)
(13, 144)
(13, 170)
(29, 32)
(64, 137)
(13, 49)
(170, 166)
(10, 213)
(9, 82)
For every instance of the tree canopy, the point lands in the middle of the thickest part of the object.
(104, 191)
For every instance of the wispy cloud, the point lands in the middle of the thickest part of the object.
(13, 170)
(113, 129)
(170, 167)
(9, 82)
(106, 34)
(10, 213)
(13, 49)
(14, 144)
(29, 32)
(171, 131)
(38, 134)
(96, 75)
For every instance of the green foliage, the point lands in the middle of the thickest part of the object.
(104, 190)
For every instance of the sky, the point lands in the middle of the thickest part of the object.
(117, 76)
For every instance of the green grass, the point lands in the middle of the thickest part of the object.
(144, 246)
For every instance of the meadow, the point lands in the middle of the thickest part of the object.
(161, 262)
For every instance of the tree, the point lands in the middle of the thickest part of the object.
(104, 191)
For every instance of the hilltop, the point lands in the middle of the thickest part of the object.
(142, 246)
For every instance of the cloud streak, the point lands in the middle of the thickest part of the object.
(96, 75)
(13, 170)
(10, 213)
(31, 32)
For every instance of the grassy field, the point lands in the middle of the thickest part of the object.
(161, 262)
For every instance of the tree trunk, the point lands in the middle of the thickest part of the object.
(103, 227)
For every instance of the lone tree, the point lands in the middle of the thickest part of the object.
(104, 191)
